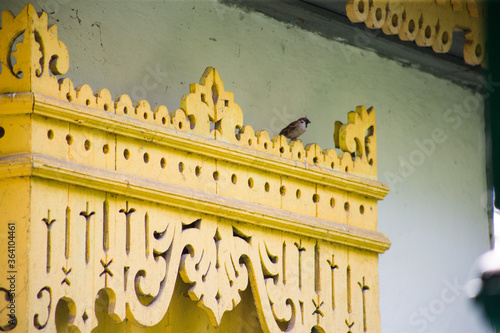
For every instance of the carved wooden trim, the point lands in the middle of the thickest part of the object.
(427, 22)
(116, 206)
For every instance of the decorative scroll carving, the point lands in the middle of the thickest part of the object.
(220, 210)
(217, 261)
(212, 259)
(427, 22)
(358, 138)
(38, 56)
(40, 294)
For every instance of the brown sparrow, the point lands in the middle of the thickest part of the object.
(295, 129)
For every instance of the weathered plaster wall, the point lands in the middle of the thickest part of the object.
(432, 155)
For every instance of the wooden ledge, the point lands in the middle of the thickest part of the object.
(128, 127)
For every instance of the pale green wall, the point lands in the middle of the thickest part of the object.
(435, 213)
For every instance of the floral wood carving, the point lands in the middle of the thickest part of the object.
(210, 99)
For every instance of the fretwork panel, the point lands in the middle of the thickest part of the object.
(90, 240)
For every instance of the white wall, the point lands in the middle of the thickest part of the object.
(435, 214)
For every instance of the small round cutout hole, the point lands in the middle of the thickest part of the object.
(282, 190)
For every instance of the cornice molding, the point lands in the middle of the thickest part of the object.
(50, 168)
(129, 127)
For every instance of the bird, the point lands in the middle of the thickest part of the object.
(295, 128)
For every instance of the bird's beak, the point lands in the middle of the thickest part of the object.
(308, 121)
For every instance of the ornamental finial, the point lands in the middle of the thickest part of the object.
(30, 53)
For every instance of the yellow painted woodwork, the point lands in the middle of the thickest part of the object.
(127, 219)
(429, 23)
